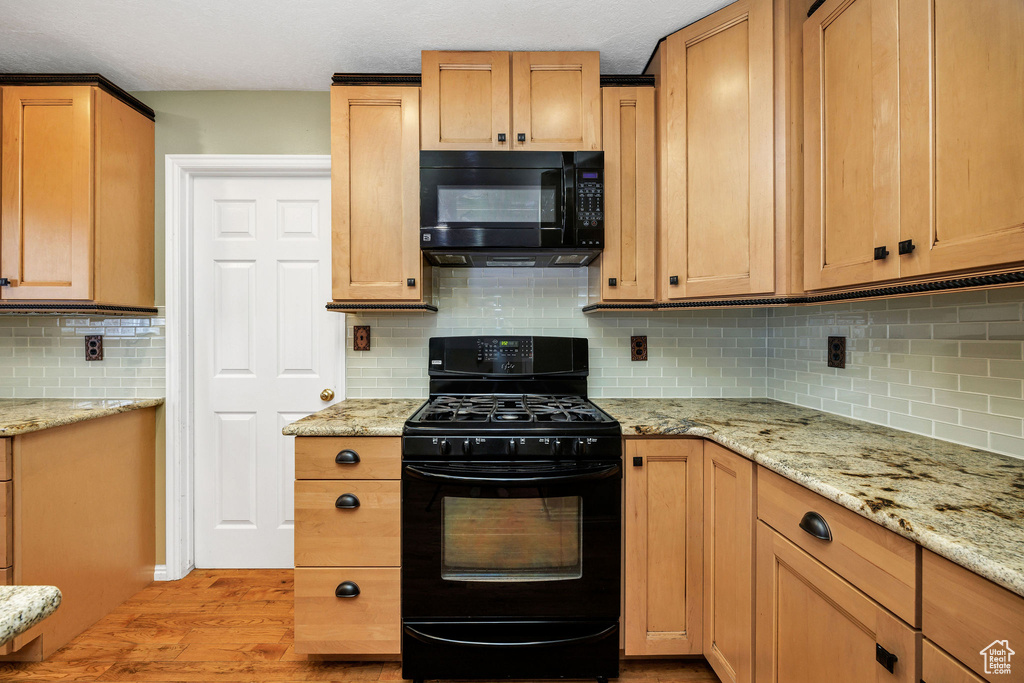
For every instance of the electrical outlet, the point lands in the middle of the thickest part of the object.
(94, 347)
(836, 352)
(360, 337)
(638, 347)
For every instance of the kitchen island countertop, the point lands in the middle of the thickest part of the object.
(25, 415)
(959, 502)
(22, 607)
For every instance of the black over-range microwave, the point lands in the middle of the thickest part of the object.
(507, 209)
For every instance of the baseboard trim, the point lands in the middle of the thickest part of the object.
(160, 573)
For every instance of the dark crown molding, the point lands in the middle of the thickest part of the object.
(375, 79)
(626, 81)
(80, 79)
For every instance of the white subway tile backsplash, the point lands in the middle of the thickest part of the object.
(44, 356)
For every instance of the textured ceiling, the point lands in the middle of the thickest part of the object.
(298, 44)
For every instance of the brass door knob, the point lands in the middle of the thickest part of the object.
(327, 395)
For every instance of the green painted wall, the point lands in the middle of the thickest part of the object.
(233, 122)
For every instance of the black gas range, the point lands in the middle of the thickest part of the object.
(511, 491)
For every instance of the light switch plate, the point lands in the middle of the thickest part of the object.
(360, 337)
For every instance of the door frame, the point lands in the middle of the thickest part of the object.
(181, 171)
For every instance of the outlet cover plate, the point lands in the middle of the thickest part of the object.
(94, 347)
(638, 347)
(360, 337)
(836, 352)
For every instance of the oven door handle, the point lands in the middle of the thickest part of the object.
(567, 476)
(577, 640)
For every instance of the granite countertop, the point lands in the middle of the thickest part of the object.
(959, 502)
(358, 417)
(22, 607)
(25, 415)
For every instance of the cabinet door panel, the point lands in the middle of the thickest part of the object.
(729, 563)
(47, 201)
(718, 204)
(375, 193)
(939, 667)
(368, 624)
(962, 133)
(556, 100)
(629, 176)
(851, 131)
(465, 100)
(813, 626)
(663, 547)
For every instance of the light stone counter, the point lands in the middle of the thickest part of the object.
(22, 607)
(25, 415)
(358, 417)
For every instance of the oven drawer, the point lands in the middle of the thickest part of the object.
(370, 623)
(348, 457)
(872, 558)
(347, 523)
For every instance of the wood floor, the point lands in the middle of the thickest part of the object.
(232, 626)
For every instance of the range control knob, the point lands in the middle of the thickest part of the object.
(579, 447)
(556, 446)
(444, 446)
(510, 447)
(467, 446)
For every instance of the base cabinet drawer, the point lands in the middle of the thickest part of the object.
(878, 562)
(348, 523)
(367, 623)
(813, 626)
(971, 618)
(348, 457)
(939, 667)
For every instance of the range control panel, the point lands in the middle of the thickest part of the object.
(495, 348)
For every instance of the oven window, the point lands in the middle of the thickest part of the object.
(475, 204)
(512, 539)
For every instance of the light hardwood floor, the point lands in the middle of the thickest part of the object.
(232, 626)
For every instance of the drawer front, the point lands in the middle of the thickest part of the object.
(363, 536)
(6, 458)
(6, 524)
(7, 576)
(939, 667)
(367, 624)
(362, 457)
(963, 614)
(874, 559)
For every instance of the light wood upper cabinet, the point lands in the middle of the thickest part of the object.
(729, 564)
(715, 108)
(551, 100)
(375, 194)
(465, 100)
(851, 138)
(663, 572)
(813, 626)
(76, 205)
(961, 134)
(628, 259)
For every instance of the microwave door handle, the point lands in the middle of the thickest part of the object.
(569, 476)
(568, 180)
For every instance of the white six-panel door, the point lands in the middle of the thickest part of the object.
(265, 347)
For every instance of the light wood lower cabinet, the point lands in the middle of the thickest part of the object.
(814, 626)
(348, 529)
(939, 667)
(82, 519)
(368, 624)
(663, 560)
(729, 564)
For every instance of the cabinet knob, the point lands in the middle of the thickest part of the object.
(612, 282)
(521, 137)
(906, 246)
(5, 282)
(816, 526)
(347, 501)
(673, 279)
(638, 461)
(885, 658)
(881, 253)
(347, 589)
(347, 457)
(501, 137)
(410, 282)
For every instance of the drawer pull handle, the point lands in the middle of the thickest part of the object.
(885, 658)
(346, 501)
(816, 526)
(347, 589)
(347, 457)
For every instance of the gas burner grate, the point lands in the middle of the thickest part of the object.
(502, 408)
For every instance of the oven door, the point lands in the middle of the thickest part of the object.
(511, 540)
